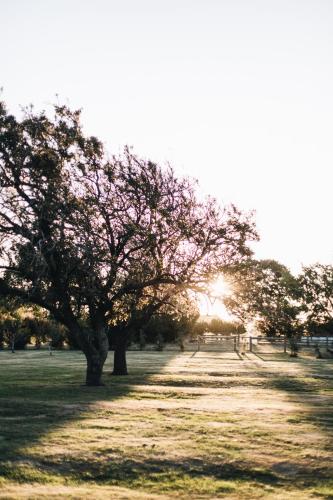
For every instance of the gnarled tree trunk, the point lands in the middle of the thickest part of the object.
(95, 346)
(119, 363)
(95, 363)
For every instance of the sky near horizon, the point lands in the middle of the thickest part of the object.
(238, 94)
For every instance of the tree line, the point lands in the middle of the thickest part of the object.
(266, 294)
(22, 325)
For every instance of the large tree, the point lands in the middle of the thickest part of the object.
(80, 232)
(265, 292)
(317, 292)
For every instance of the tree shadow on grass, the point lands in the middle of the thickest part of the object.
(271, 356)
(40, 398)
(313, 391)
(232, 355)
(132, 473)
(313, 395)
(163, 475)
(39, 394)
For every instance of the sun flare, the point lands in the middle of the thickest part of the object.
(219, 288)
(211, 304)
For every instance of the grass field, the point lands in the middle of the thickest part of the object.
(204, 425)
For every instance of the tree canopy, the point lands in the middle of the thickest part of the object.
(264, 292)
(317, 292)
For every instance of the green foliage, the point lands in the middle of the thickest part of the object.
(14, 327)
(21, 325)
(175, 320)
(293, 344)
(317, 294)
(170, 325)
(225, 327)
(319, 329)
(267, 293)
(217, 326)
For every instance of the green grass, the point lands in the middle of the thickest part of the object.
(204, 426)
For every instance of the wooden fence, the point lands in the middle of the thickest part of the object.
(242, 343)
(219, 342)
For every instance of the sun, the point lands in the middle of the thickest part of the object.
(211, 304)
(219, 288)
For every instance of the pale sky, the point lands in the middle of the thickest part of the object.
(238, 94)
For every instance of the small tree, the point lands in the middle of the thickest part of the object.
(293, 344)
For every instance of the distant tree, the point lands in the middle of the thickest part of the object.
(174, 321)
(267, 293)
(21, 324)
(79, 231)
(44, 330)
(319, 329)
(317, 294)
(15, 332)
(199, 328)
(225, 327)
(217, 325)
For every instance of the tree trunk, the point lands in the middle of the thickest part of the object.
(119, 363)
(96, 349)
(95, 365)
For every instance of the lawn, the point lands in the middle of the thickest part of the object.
(185, 425)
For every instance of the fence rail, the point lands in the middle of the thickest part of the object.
(220, 342)
(247, 343)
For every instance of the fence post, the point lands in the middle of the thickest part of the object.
(285, 344)
(198, 344)
(235, 344)
(250, 344)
